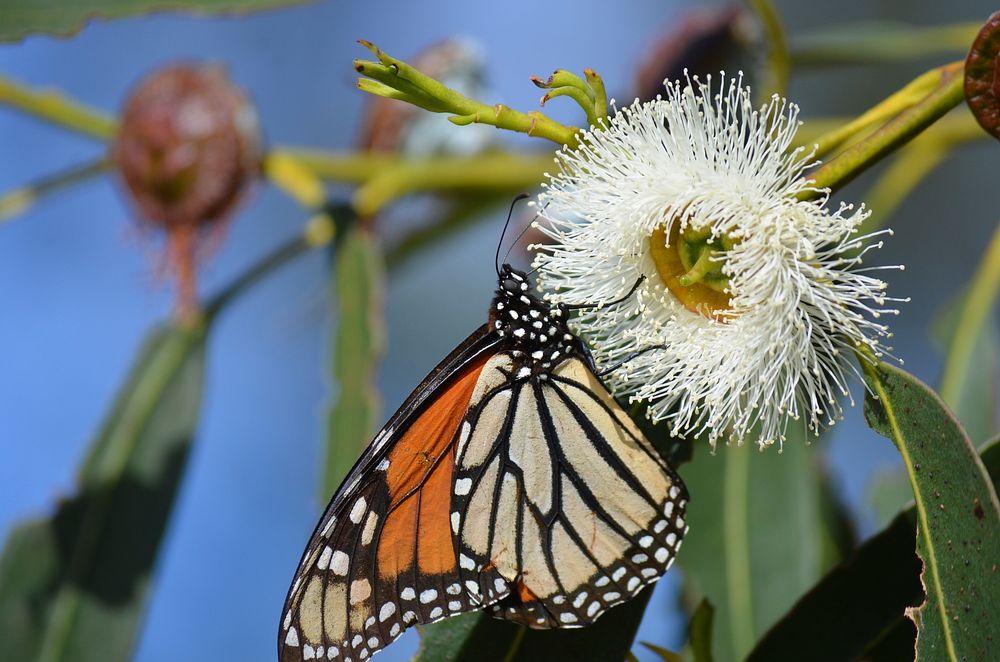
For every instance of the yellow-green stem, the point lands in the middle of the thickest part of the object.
(881, 112)
(881, 42)
(779, 64)
(946, 94)
(422, 90)
(58, 109)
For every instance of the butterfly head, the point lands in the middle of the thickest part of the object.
(535, 330)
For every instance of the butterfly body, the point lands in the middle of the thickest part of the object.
(510, 481)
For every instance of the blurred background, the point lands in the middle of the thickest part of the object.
(80, 287)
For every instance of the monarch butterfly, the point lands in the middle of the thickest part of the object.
(509, 481)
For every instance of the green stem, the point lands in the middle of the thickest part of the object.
(881, 42)
(19, 200)
(490, 172)
(947, 94)
(907, 97)
(269, 263)
(914, 162)
(737, 549)
(56, 108)
(779, 64)
(977, 308)
(407, 83)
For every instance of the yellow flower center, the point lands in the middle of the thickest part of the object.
(690, 266)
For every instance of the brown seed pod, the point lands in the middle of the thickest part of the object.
(982, 76)
(187, 149)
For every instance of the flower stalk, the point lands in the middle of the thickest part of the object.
(395, 79)
(945, 92)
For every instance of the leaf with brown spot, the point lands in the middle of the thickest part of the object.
(959, 549)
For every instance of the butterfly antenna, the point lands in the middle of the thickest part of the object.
(510, 213)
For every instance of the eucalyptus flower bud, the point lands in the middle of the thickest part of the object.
(188, 146)
(187, 150)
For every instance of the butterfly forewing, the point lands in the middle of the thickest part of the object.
(383, 557)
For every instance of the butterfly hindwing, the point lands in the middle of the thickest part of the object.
(558, 491)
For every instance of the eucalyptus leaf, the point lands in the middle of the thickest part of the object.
(759, 537)
(857, 608)
(356, 283)
(73, 585)
(958, 517)
(19, 18)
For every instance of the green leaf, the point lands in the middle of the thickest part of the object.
(958, 517)
(356, 281)
(969, 380)
(481, 638)
(73, 585)
(664, 654)
(862, 600)
(759, 537)
(700, 632)
(19, 18)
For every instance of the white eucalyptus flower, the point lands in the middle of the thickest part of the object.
(753, 298)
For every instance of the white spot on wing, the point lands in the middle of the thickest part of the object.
(358, 511)
(462, 486)
(292, 638)
(324, 559)
(339, 562)
(428, 595)
(369, 530)
(388, 609)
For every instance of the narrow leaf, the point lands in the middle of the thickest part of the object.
(19, 18)
(862, 600)
(664, 654)
(357, 280)
(958, 517)
(969, 380)
(73, 585)
(757, 537)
